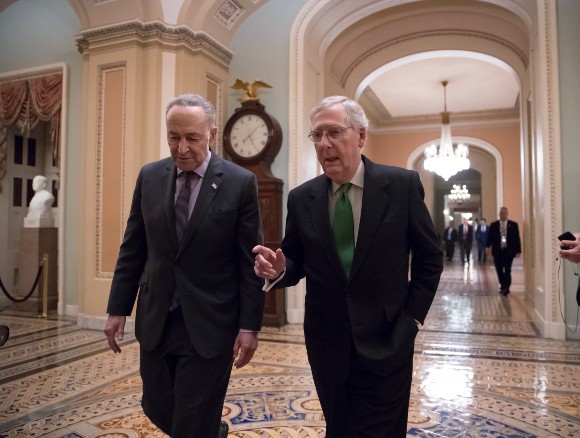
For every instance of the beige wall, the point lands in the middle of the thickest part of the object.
(124, 129)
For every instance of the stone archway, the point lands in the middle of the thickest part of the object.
(310, 78)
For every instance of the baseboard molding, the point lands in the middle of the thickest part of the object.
(295, 316)
(551, 330)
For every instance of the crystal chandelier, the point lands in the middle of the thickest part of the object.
(446, 161)
(459, 193)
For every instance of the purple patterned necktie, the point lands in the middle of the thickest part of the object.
(182, 207)
(181, 216)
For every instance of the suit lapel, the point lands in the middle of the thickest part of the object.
(168, 189)
(374, 205)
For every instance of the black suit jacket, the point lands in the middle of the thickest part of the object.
(375, 307)
(453, 235)
(514, 245)
(469, 237)
(211, 272)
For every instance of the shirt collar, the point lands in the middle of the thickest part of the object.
(357, 180)
(202, 168)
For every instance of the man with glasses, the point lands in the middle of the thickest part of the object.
(350, 232)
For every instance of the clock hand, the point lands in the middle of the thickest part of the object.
(249, 136)
(253, 144)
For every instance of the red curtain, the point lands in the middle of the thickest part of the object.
(26, 103)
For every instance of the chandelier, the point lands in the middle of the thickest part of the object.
(459, 193)
(446, 161)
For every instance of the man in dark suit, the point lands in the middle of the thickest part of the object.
(481, 236)
(199, 302)
(504, 239)
(465, 234)
(450, 237)
(362, 311)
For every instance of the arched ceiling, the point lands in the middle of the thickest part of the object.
(350, 31)
(398, 56)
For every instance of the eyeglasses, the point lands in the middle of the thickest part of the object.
(333, 133)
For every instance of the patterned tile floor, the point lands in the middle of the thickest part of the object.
(480, 371)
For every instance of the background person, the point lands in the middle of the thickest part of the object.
(450, 237)
(199, 301)
(504, 240)
(465, 234)
(481, 236)
(572, 253)
(361, 307)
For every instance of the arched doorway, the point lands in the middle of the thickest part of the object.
(338, 62)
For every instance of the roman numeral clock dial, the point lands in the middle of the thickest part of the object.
(251, 136)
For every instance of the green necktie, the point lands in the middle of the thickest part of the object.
(343, 228)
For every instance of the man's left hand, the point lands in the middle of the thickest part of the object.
(244, 348)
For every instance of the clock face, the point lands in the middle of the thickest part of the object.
(249, 135)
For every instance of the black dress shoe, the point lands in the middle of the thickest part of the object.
(224, 429)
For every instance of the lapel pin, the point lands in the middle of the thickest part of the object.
(214, 185)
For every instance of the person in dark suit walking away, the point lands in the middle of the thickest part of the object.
(481, 236)
(186, 258)
(450, 237)
(465, 234)
(504, 240)
(350, 232)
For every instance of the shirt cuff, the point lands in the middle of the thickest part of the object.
(248, 331)
(269, 284)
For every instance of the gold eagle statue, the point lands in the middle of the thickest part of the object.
(250, 89)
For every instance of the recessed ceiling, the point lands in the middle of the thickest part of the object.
(414, 88)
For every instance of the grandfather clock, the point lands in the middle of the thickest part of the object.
(252, 138)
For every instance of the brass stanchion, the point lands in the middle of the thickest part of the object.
(45, 285)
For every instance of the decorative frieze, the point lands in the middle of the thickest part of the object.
(229, 12)
(151, 34)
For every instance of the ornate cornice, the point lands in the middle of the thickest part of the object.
(24, 75)
(151, 34)
(430, 121)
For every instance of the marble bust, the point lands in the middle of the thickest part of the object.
(40, 208)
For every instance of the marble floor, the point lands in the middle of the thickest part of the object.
(480, 370)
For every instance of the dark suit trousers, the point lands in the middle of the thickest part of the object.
(465, 249)
(481, 254)
(503, 266)
(183, 393)
(449, 248)
(366, 405)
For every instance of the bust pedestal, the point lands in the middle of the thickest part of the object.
(34, 242)
(38, 222)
